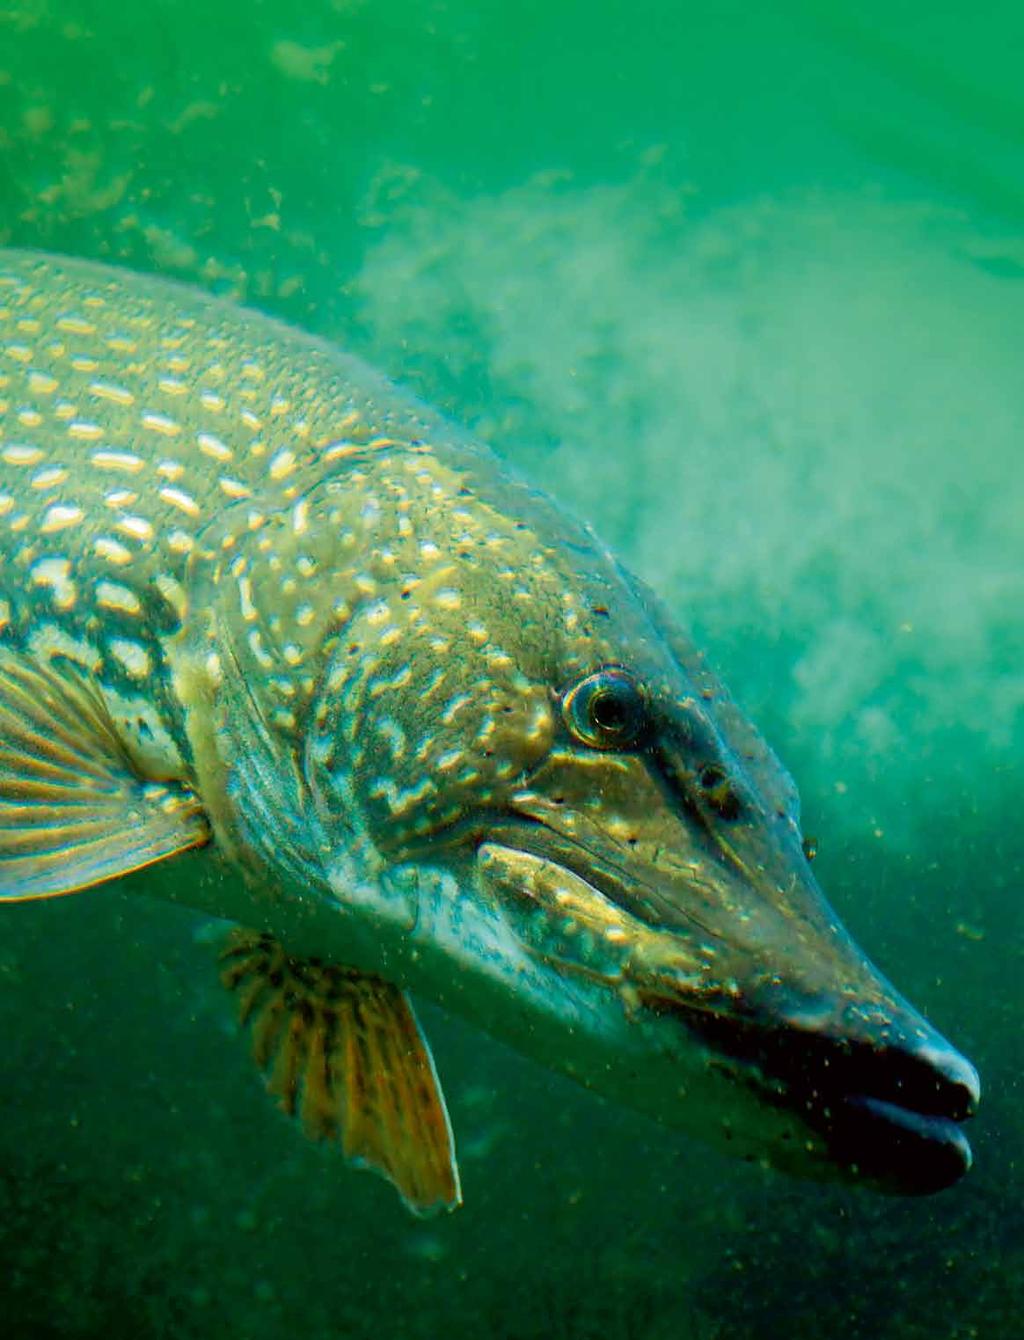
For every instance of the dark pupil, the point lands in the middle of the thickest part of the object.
(609, 711)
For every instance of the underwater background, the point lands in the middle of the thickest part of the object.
(742, 285)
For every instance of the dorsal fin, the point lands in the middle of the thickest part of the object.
(73, 809)
(343, 1050)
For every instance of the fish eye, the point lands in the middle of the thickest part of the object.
(606, 710)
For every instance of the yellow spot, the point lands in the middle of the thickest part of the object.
(304, 615)
(120, 498)
(180, 542)
(447, 599)
(214, 447)
(173, 592)
(454, 706)
(135, 526)
(112, 550)
(117, 460)
(83, 431)
(41, 383)
(300, 517)
(160, 423)
(282, 464)
(15, 453)
(172, 386)
(121, 344)
(258, 650)
(113, 596)
(82, 364)
(211, 400)
(133, 658)
(75, 325)
(55, 574)
(5, 614)
(65, 409)
(109, 391)
(232, 488)
(21, 353)
(6, 503)
(336, 451)
(248, 609)
(49, 477)
(29, 418)
(48, 640)
(183, 501)
(59, 517)
(170, 469)
(292, 654)
(251, 420)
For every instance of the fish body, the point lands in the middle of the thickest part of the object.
(256, 600)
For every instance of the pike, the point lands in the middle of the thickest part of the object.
(428, 736)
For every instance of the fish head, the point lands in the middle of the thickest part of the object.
(543, 730)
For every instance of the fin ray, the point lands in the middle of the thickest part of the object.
(73, 810)
(343, 1051)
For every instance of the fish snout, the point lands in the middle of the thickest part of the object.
(877, 1083)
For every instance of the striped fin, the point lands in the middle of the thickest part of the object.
(73, 810)
(344, 1051)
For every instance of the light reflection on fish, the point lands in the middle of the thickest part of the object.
(256, 600)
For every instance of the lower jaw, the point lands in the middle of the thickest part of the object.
(896, 1150)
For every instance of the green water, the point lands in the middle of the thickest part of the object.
(746, 289)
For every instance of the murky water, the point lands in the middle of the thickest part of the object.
(745, 290)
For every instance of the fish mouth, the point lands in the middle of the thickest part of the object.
(900, 1150)
(887, 1113)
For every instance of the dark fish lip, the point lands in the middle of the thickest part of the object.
(896, 1149)
(888, 1116)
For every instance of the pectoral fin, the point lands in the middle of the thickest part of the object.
(344, 1051)
(73, 810)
